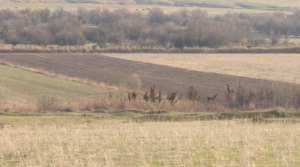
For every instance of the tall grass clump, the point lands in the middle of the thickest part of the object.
(48, 103)
(249, 98)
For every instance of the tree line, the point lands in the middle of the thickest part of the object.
(121, 27)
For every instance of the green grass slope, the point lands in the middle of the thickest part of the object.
(18, 83)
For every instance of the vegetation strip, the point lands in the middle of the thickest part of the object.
(101, 30)
(138, 115)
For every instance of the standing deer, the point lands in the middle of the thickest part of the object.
(146, 96)
(132, 95)
(192, 94)
(159, 96)
(152, 93)
(171, 97)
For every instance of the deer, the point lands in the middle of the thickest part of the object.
(146, 97)
(171, 97)
(159, 96)
(153, 93)
(229, 91)
(132, 95)
(192, 94)
(110, 94)
(212, 98)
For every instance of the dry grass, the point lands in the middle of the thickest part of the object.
(70, 141)
(276, 67)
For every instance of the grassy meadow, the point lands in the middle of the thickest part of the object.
(20, 82)
(118, 139)
(20, 89)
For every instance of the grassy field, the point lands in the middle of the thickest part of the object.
(213, 7)
(116, 139)
(22, 83)
(276, 67)
(20, 89)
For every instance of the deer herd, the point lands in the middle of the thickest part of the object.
(156, 96)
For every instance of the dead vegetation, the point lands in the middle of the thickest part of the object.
(48, 103)
(238, 98)
(242, 98)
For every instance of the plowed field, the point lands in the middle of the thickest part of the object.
(114, 71)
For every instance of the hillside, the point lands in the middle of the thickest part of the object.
(112, 71)
(21, 84)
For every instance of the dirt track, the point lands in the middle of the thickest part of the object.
(113, 71)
